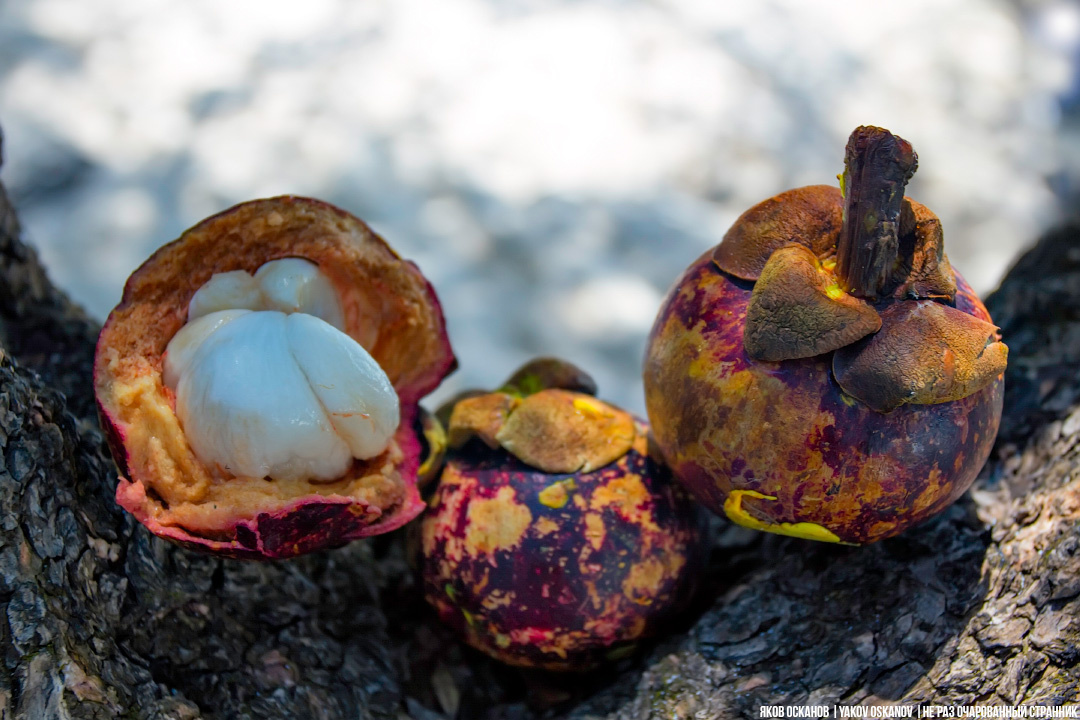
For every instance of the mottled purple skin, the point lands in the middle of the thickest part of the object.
(724, 421)
(559, 588)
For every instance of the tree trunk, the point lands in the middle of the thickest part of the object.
(100, 619)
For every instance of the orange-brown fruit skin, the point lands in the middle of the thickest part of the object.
(724, 421)
(558, 571)
(228, 241)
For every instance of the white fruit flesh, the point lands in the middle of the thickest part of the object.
(269, 390)
(291, 285)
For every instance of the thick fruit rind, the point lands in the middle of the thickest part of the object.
(778, 444)
(558, 571)
(411, 345)
(307, 524)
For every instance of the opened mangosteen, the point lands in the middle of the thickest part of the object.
(824, 372)
(258, 382)
(553, 540)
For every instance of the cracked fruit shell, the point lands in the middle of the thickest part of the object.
(258, 382)
(552, 539)
(824, 372)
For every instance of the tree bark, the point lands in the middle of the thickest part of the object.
(99, 619)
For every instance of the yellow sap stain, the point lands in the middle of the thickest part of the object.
(805, 530)
(590, 408)
(833, 291)
(496, 523)
(436, 438)
(557, 494)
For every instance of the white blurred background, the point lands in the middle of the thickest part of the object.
(551, 165)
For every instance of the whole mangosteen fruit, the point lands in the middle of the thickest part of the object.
(824, 372)
(553, 540)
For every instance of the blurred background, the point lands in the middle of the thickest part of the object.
(551, 165)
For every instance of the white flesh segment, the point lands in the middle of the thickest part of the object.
(354, 391)
(294, 285)
(182, 347)
(226, 291)
(246, 406)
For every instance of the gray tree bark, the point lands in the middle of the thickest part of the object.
(99, 619)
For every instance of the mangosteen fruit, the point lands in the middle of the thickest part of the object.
(824, 372)
(552, 539)
(258, 382)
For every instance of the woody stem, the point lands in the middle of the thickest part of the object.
(877, 167)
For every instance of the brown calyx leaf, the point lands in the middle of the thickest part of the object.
(548, 372)
(808, 216)
(442, 414)
(480, 416)
(798, 310)
(924, 270)
(560, 431)
(925, 353)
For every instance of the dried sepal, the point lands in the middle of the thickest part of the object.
(925, 353)
(924, 270)
(545, 373)
(808, 216)
(559, 431)
(797, 310)
(480, 417)
(545, 416)
(442, 414)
